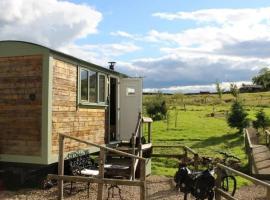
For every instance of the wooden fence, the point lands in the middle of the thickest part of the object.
(178, 156)
(221, 193)
(248, 148)
(100, 180)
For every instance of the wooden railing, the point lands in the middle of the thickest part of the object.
(185, 149)
(148, 121)
(100, 180)
(136, 134)
(221, 193)
(248, 148)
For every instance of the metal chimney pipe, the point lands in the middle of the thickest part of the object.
(111, 66)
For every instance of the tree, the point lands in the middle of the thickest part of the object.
(219, 91)
(262, 121)
(157, 108)
(263, 78)
(238, 116)
(234, 90)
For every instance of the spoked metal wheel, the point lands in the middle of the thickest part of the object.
(228, 184)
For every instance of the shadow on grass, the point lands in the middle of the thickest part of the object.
(223, 139)
(176, 140)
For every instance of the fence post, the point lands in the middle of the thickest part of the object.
(142, 179)
(196, 161)
(268, 193)
(185, 155)
(101, 173)
(218, 183)
(61, 167)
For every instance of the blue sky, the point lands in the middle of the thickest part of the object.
(177, 45)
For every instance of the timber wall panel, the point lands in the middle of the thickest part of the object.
(85, 123)
(20, 117)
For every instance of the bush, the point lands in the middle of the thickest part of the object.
(238, 117)
(157, 108)
(262, 121)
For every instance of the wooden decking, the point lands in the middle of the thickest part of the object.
(259, 156)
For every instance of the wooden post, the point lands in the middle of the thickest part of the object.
(142, 179)
(218, 183)
(149, 132)
(268, 193)
(196, 161)
(61, 167)
(185, 155)
(101, 173)
(133, 140)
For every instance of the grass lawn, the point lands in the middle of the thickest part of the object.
(197, 129)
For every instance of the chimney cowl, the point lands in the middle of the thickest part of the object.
(111, 66)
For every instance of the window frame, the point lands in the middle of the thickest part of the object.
(105, 89)
(87, 102)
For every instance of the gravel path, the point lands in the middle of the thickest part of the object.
(158, 187)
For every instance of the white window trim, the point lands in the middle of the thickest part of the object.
(87, 102)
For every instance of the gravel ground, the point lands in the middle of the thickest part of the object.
(158, 187)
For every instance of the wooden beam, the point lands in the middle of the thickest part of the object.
(61, 166)
(102, 147)
(218, 183)
(224, 194)
(132, 171)
(250, 178)
(142, 179)
(101, 173)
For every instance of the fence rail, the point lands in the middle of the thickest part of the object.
(178, 156)
(220, 193)
(100, 180)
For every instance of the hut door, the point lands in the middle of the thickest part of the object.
(130, 106)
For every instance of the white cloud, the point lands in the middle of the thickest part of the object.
(196, 88)
(221, 16)
(226, 44)
(49, 22)
(58, 24)
(122, 34)
(99, 54)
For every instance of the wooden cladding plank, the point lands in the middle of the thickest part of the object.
(67, 118)
(20, 117)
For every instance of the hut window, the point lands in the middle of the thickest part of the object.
(84, 84)
(93, 87)
(101, 89)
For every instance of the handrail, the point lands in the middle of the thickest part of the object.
(138, 126)
(250, 178)
(248, 139)
(102, 147)
(134, 145)
(220, 193)
(102, 159)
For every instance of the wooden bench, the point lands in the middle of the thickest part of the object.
(82, 165)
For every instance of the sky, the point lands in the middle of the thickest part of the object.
(176, 45)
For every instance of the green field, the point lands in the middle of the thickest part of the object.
(196, 128)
